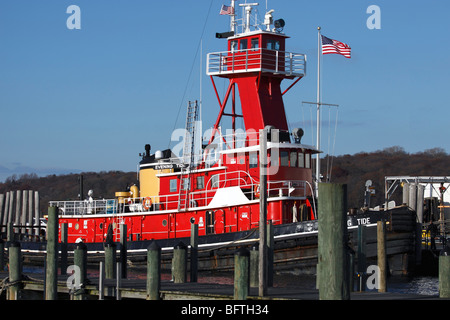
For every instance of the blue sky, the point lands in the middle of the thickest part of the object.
(90, 99)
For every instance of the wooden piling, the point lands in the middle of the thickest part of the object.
(381, 255)
(361, 257)
(254, 261)
(405, 193)
(15, 270)
(444, 273)
(29, 217)
(412, 196)
(52, 255)
(24, 209)
(63, 247)
(270, 253)
(80, 260)
(194, 253)
(179, 272)
(332, 237)
(110, 260)
(101, 281)
(123, 250)
(262, 289)
(10, 235)
(118, 280)
(18, 206)
(153, 271)
(419, 204)
(37, 216)
(241, 274)
(6, 209)
(2, 202)
(11, 207)
(2, 255)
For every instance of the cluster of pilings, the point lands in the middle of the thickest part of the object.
(21, 208)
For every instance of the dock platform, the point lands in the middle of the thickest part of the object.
(33, 289)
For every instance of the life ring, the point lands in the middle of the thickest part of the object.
(256, 191)
(147, 203)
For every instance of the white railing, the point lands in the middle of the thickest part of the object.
(86, 206)
(249, 186)
(249, 60)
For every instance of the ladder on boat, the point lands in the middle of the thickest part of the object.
(192, 116)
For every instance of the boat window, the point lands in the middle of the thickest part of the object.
(307, 160)
(273, 44)
(254, 44)
(173, 185)
(215, 181)
(243, 44)
(273, 158)
(185, 185)
(253, 160)
(301, 160)
(233, 45)
(284, 158)
(200, 182)
(293, 158)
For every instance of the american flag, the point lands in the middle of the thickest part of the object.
(226, 10)
(333, 46)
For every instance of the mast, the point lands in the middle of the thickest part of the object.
(233, 17)
(318, 113)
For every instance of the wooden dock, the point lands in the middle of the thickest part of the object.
(33, 289)
(336, 273)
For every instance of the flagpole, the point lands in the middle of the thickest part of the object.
(318, 112)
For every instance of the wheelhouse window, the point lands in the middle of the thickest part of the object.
(273, 44)
(243, 44)
(254, 44)
(307, 160)
(284, 158)
(173, 185)
(301, 160)
(233, 45)
(293, 160)
(253, 160)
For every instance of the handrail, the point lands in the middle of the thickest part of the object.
(249, 60)
(279, 188)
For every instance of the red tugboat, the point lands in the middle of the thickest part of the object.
(220, 189)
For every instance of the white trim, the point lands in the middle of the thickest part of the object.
(193, 171)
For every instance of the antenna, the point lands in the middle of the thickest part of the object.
(248, 12)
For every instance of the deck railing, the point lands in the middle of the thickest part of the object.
(250, 60)
(250, 188)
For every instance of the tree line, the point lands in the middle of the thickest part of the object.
(355, 170)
